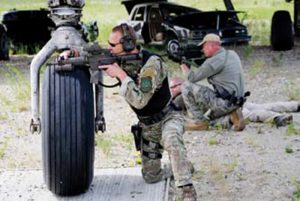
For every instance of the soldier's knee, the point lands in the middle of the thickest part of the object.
(172, 142)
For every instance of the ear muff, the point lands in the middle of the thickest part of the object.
(127, 41)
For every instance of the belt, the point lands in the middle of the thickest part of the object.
(148, 120)
(153, 145)
(231, 98)
(152, 155)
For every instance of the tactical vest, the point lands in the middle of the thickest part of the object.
(160, 98)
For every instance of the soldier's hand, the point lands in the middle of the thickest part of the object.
(184, 68)
(114, 71)
(67, 54)
(186, 62)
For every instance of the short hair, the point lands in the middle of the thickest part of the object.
(130, 32)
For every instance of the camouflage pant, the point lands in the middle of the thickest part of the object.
(169, 134)
(268, 111)
(199, 99)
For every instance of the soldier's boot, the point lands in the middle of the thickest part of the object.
(186, 193)
(191, 124)
(282, 120)
(237, 119)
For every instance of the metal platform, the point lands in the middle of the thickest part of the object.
(125, 184)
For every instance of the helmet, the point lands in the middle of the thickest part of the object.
(70, 3)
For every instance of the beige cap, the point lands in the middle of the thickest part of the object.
(210, 37)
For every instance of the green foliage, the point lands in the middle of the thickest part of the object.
(296, 195)
(247, 50)
(124, 139)
(219, 127)
(104, 142)
(20, 87)
(256, 68)
(296, 183)
(25, 49)
(231, 166)
(3, 146)
(22, 5)
(289, 149)
(292, 130)
(3, 115)
(213, 141)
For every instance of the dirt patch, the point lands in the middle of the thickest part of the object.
(250, 165)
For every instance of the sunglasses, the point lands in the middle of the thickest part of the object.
(113, 44)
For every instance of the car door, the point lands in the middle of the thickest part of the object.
(137, 21)
(154, 22)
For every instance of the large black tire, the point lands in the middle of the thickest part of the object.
(68, 131)
(4, 44)
(282, 31)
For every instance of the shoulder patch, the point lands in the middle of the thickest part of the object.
(146, 84)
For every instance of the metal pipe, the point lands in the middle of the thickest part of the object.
(63, 38)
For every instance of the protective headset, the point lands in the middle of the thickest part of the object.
(127, 40)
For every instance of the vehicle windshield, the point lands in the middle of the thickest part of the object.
(172, 11)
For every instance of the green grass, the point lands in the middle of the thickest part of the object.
(20, 87)
(296, 195)
(256, 67)
(109, 13)
(292, 130)
(231, 165)
(213, 141)
(124, 139)
(247, 50)
(289, 149)
(296, 182)
(3, 146)
(293, 90)
(3, 115)
(106, 142)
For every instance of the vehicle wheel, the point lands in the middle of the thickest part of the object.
(174, 50)
(282, 31)
(4, 44)
(68, 131)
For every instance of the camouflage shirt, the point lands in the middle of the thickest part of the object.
(149, 80)
(223, 69)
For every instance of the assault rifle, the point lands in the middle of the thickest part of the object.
(93, 56)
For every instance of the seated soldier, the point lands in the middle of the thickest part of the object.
(223, 70)
(266, 112)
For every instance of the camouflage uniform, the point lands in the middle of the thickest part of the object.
(253, 112)
(168, 132)
(224, 71)
(268, 111)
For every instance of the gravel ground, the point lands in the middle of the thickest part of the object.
(250, 165)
